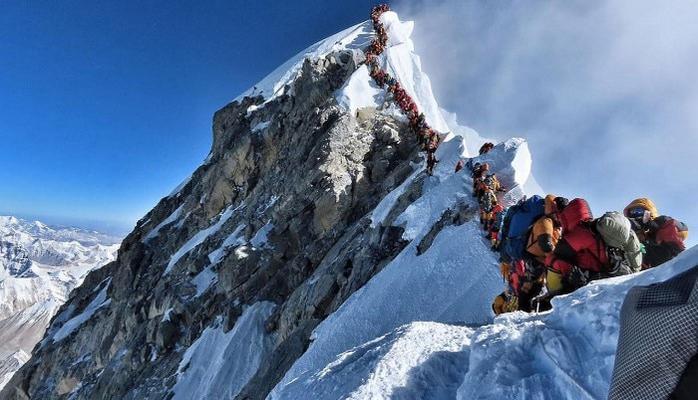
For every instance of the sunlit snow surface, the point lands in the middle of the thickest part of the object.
(274, 84)
(453, 282)
(423, 326)
(566, 353)
(218, 364)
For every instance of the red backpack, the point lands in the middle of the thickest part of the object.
(576, 212)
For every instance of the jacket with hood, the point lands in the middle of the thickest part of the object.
(579, 245)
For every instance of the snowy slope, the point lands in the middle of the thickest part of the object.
(421, 327)
(566, 353)
(39, 266)
(274, 84)
(452, 282)
(225, 360)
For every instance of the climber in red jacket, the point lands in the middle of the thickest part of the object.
(580, 255)
(662, 236)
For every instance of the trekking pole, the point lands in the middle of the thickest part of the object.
(543, 293)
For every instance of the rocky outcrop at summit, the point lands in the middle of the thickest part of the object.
(278, 213)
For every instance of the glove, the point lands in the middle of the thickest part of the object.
(577, 278)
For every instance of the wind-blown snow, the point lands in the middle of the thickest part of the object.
(218, 364)
(73, 323)
(199, 238)
(399, 365)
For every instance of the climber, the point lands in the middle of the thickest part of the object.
(662, 236)
(478, 175)
(432, 145)
(459, 165)
(524, 279)
(486, 148)
(493, 183)
(488, 201)
(498, 213)
(431, 162)
(546, 231)
(423, 138)
(623, 246)
(505, 302)
(580, 255)
(517, 221)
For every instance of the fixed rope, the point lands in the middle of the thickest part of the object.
(428, 138)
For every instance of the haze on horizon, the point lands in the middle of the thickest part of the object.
(108, 107)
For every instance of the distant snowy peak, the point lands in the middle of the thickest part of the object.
(23, 242)
(39, 266)
(13, 226)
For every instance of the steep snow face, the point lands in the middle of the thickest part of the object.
(453, 281)
(400, 61)
(564, 353)
(276, 83)
(422, 360)
(39, 266)
(219, 364)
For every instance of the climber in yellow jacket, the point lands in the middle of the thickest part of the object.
(546, 232)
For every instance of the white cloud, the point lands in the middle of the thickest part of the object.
(606, 92)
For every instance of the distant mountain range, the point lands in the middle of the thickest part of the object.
(39, 267)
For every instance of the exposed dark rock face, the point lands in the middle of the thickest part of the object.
(297, 168)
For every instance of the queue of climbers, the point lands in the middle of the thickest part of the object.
(427, 137)
(548, 246)
(551, 246)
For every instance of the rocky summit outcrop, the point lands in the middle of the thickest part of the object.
(278, 213)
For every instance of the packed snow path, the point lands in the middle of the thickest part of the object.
(566, 353)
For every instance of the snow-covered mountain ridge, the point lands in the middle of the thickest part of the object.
(39, 266)
(310, 256)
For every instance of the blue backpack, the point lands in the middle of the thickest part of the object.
(520, 218)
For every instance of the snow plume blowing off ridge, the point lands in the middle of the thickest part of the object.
(311, 257)
(604, 91)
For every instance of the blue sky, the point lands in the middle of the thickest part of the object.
(106, 106)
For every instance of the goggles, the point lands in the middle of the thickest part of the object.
(636, 213)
